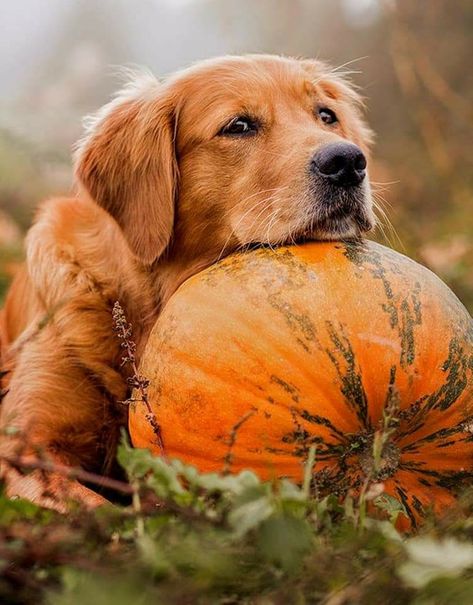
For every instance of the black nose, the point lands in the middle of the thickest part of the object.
(342, 164)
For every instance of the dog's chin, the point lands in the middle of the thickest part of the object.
(340, 229)
(350, 226)
(347, 219)
(339, 213)
(347, 227)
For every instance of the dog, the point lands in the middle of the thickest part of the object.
(171, 177)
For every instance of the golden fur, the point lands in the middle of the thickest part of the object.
(161, 195)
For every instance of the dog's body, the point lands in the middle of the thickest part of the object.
(171, 177)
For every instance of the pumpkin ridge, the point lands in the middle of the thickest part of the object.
(351, 382)
(410, 318)
(353, 349)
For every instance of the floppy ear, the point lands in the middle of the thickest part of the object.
(127, 164)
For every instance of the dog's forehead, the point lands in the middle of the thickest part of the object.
(214, 90)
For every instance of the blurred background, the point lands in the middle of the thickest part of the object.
(412, 61)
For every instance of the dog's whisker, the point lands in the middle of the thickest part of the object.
(385, 182)
(385, 223)
(251, 209)
(260, 192)
(382, 201)
(232, 232)
(337, 70)
(270, 222)
(251, 241)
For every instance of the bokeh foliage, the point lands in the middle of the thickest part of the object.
(409, 58)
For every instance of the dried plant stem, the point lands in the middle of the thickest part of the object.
(135, 381)
(22, 465)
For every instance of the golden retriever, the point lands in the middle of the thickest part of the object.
(171, 177)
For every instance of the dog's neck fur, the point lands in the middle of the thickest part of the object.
(181, 261)
(170, 273)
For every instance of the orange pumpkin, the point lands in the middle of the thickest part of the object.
(268, 353)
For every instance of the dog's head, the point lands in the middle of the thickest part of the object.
(230, 152)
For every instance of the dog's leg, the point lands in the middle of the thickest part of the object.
(61, 407)
(58, 341)
(49, 489)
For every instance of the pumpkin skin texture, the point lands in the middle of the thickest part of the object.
(268, 353)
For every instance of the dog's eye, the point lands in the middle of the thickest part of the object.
(327, 115)
(239, 126)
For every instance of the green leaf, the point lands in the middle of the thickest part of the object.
(284, 541)
(429, 559)
(446, 591)
(391, 505)
(81, 588)
(255, 506)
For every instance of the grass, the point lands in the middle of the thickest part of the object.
(187, 537)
